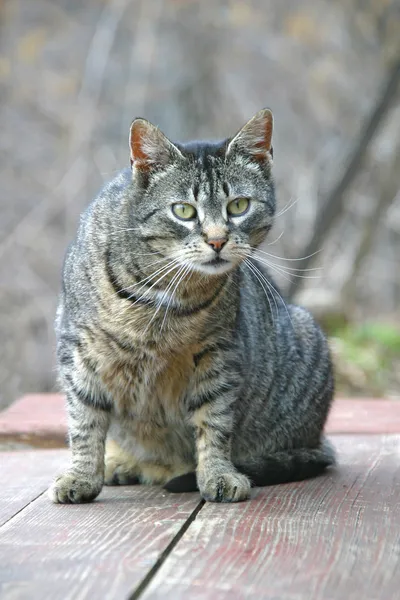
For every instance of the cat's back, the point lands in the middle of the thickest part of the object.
(83, 264)
(273, 331)
(97, 219)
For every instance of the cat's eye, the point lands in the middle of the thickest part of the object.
(186, 212)
(238, 207)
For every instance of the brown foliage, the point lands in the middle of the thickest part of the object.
(74, 74)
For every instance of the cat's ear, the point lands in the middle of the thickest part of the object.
(150, 148)
(255, 138)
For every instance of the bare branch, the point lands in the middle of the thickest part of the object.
(388, 191)
(334, 204)
(32, 222)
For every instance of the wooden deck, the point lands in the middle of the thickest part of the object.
(334, 537)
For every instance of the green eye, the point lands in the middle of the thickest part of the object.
(186, 212)
(238, 207)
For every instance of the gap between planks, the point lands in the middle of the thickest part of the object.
(141, 587)
(360, 499)
(164, 555)
(22, 508)
(105, 544)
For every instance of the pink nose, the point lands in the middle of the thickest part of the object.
(217, 243)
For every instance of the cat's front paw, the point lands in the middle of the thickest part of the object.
(71, 488)
(225, 487)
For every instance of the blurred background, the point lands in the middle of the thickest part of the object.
(74, 74)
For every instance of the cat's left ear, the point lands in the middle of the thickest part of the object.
(255, 138)
(150, 148)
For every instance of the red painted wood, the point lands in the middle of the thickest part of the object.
(332, 538)
(40, 419)
(364, 416)
(90, 551)
(26, 475)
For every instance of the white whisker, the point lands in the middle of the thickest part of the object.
(276, 291)
(149, 277)
(287, 207)
(285, 274)
(269, 284)
(155, 273)
(148, 254)
(277, 239)
(288, 259)
(287, 270)
(175, 266)
(188, 268)
(165, 295)
(158, 261)
(250, 267)
(127, 228)
(281, 270)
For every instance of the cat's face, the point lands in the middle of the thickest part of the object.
(204, 205)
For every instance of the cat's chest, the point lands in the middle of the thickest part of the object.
(147, 385)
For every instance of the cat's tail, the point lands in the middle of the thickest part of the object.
(281, 467)
(290, 465)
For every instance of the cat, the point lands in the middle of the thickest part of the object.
(181, 363)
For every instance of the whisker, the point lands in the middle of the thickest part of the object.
(250, 267)
(164, 295)
(276, 292)
(285, 274)
(277, 239)
(287, 207)
(109, 173)
(288, 259)
(147, 254)
(288, 270)
(175, 256)
(281, 270)
(149, 277)
(175, 266)
(127, 229)
(188, 268)
(157, 261)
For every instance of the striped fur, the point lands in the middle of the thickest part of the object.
(173, 363)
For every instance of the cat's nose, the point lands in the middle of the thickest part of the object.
(217, 243)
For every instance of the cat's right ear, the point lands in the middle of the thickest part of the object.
(255, 138)
(150, 148)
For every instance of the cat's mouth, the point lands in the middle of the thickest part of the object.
(216, 262)
(215, 266)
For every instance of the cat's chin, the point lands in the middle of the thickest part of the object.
(214, 267)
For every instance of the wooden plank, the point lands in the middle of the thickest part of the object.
(100, 550)
(40, 419)
(26, 475)
(332, 538)
(36, 419)
(364, 415)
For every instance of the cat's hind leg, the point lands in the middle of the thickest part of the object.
(285, 466)
(121, 468)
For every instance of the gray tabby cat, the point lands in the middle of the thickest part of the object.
(176, 352)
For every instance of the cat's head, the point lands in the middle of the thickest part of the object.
(205, 205)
